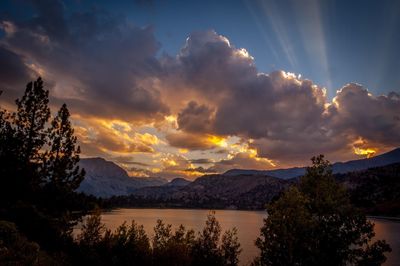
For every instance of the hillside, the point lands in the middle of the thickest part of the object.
(105, 179)
(214, 191)
(376, 190)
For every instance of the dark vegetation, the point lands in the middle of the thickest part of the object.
(39, 205)
(129, 245)
(313, 223)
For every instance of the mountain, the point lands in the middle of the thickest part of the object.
(211, 191)
(105, 179)
(376, 190)
(338, 168)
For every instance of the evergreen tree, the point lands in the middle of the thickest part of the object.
(38, 185)
(30, 121)
(62, 170)
(315, 224)
(32, 115)
(230, 247)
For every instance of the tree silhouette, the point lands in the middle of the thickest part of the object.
(315, 224)
(62, 158)
(31, 117)
(39, 172)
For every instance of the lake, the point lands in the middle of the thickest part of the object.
(248, 224)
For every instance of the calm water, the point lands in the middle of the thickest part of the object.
(248, 224)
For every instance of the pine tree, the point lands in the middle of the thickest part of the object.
(25, 137)
(32, 115)
(315, 224)
(62, 158)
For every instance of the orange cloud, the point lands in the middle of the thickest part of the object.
(191, 141)
(112, 137)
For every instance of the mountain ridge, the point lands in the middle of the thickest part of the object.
(387, 158)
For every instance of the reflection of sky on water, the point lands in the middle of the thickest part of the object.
(390, 231)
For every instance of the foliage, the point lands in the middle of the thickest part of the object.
(230, 247)
(39, 173)
(129, 245)
(62, 158)
(315, 224)
(15, 249)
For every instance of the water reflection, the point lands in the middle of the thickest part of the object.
(390, 231)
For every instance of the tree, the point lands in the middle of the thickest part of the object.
(30, 121)
(230, 247)
(172, 248)
(39, 172)
(206, 249)
(315, 224)
(32, 115)
(62, 158)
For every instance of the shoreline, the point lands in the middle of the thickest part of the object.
(387, 218)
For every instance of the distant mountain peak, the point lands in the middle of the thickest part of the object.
(387, 158)
(105, 178)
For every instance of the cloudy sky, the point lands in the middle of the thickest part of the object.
(184, 88)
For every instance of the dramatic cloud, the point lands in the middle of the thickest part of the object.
(357, 112)
(98, 63)
(195, 141)
(195, 118)
(99, 136)
(288, 119)
(13, 73)
(206, 109)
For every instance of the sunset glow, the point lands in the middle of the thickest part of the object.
(366, 152)
(162, 101)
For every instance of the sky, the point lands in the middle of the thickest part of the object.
(187, 88)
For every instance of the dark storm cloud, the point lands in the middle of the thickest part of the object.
(374, 118)
(278, 107)
(248, 103)
(195, 118)
(96, 60)
(13, 73)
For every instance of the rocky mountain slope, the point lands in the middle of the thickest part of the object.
(105, 179)
(216, 191)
